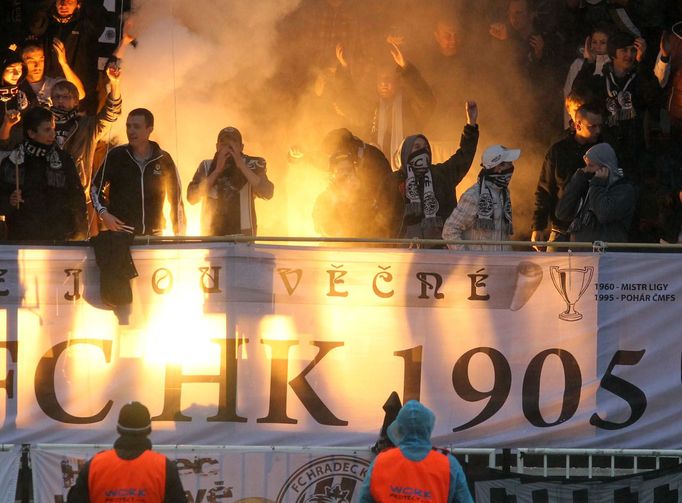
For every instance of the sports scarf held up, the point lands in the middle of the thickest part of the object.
(485, 214)
(422, 202)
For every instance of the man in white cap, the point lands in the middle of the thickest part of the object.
(130, 471)
(484, 211)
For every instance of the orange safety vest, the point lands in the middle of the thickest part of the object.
(140, 480)
(395, 478)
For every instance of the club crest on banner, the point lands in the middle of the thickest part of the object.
(331, 479)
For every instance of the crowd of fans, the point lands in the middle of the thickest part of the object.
(596, 84)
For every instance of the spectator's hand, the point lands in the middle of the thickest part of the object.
(587, 50)
(537, 43)
(398, 55)
(59, 50)
(340, 57)
(238, 158)
(680, 196)
(602, 172)
(11, 118)
(499, 31)
(538, 236)
(471, 109)
(114, 224)
(665, 44)
(640, 45)
(15, 198)
(113, 71)
(221, 158)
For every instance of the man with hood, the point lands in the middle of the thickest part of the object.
(131, 466)
(430, 475)
(598, 201)
(362, 198)
(484, 211)
(429, 189)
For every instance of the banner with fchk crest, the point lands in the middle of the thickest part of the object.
(275, 345)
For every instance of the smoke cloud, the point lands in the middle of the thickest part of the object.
(206, 64)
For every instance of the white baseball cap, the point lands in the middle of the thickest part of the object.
(497, 154)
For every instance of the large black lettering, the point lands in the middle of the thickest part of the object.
(573, 382)
(46, 394)
(412, 379)
(279, 371)
(227, 380)
(498, 393)
(7, 383)
(632, 395)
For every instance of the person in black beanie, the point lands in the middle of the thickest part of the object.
(131, 469)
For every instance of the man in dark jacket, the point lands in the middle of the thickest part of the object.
(40, 192)
(362, 199)
(562, 160)
(135, 179)
(598, 201)
(669, 191)
(429, 189)
(78, 134)
(131, 470)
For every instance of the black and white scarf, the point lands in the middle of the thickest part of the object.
(65, 124)
(486, 201)
(421, 198)
(619, 99)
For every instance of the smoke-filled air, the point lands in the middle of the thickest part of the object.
(285, 73)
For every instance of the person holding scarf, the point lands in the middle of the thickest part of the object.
(40, 192)
(429, 189)
(485, 211)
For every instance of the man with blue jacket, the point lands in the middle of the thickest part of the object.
(414, 467)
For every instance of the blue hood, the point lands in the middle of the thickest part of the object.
(413, 426)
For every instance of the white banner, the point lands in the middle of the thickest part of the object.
(222, 476)
(10, 461)
(272, 345)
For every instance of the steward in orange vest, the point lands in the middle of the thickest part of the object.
(130, 472)
(414, 472)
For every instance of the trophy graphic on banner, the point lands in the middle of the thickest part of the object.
(571, 283)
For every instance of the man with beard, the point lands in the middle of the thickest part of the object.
(40, 192)
(228, 185)
(429, 189)
(484, 212)
(562, 160)
(78, 134)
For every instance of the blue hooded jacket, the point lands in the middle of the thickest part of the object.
(411, 433)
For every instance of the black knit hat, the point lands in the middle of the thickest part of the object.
(8, 57)
(134, 420)
(619, 40)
